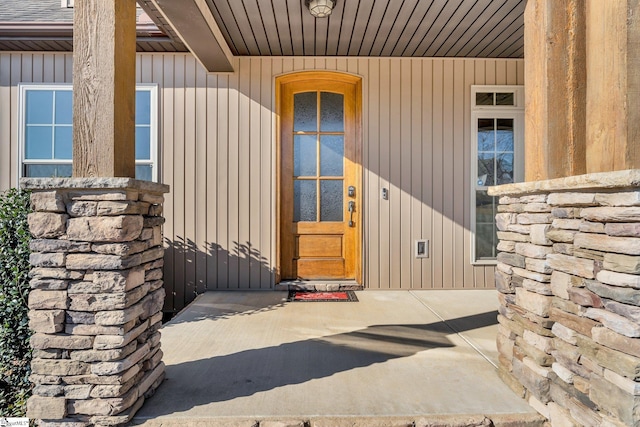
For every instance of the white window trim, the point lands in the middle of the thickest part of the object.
(152, 88)
(515, 112)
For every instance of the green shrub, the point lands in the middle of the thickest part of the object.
(15, 352)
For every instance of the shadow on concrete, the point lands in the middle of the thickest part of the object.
(240, 306)
(223, 378)
(188, 270)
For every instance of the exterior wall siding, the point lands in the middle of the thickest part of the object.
(217, 144)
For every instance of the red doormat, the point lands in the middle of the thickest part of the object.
(314, 296)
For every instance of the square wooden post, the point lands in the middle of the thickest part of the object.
(104, 55)
(613, 81)
(555, 100)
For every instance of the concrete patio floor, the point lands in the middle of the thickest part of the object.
(400, 358)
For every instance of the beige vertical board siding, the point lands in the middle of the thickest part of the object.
(244, 172)
(458, 179)
(404, 167)
(255, 165)
(450, 168)
(201, 175)
(211, 195)
(265, 186)
(394, 166)
(427, 170)
(383, 118)
(221, 244)
(7, 149)
(372, 204)
(415, 156)
(190, 180)
(233, 167)
(217, 151)
(437, 206)
(167, 141)
(178, 179)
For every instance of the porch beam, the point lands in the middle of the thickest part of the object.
(104, 55)
(555, 91)
(613, 81)
(196, 26)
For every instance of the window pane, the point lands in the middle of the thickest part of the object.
(143, 172)
(39, 107)
(304, 155)
(504, 136)
(64, 109)
(305, 112)
(143, 107)
(485, 242)
(504, 168)
(504, 99)
(331, 195)
(486, 237)
(48, 171)
(305, 200)
(331, 112)
(483, 98)
(63, 148)
(331, 155)
(486, 169)
(486, 134)
(143, 143)
(485, 208)
(38, 142)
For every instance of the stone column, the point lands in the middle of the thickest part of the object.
(96, 298)
(568, 277)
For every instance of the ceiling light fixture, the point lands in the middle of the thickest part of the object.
(320, 8)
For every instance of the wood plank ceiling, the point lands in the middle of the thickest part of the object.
(410, 28)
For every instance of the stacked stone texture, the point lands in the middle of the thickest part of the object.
(96, 299)
(568, 276)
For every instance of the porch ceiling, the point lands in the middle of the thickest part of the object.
(408, 28)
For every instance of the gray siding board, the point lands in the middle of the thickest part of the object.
(282, 24)
(387, 23)
(493, 27)
(360, 27)
(441, 25)
(411, 15)
(217, 137)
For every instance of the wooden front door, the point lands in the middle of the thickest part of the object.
(320, 218)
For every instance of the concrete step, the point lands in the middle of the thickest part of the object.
(318, 285)
(496, 420)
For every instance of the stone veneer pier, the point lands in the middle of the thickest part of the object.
(568, 274)
(96, 298)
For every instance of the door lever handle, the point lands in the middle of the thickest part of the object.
(352, 209)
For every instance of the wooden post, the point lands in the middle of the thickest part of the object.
(555, 91)
(613, 81)
(104, 49)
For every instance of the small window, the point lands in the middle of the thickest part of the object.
(497, 141)
(46, 131)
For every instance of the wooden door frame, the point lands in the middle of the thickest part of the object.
(302, 76)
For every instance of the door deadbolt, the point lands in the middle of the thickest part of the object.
(351, 191)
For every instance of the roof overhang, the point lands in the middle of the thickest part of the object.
(58, 36)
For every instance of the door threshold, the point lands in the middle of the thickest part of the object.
(318, 285)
